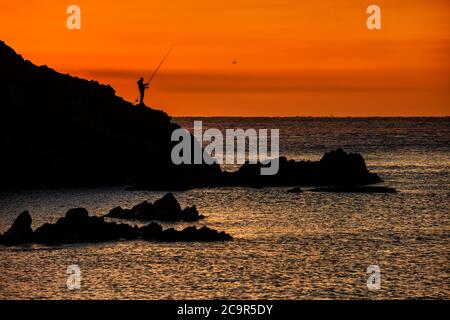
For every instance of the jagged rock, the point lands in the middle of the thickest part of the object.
(341, 168)
(144, 211)
(335, 168)
(116, 212)
(77, 216)
(129, 232)
(191, 214)
(194, 234)
(20, 231)
(356, 189)
(168, 205)
(152, 231)
(165, 209)
(295, 190)
(78, 227)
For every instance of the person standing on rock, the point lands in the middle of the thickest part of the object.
(142, 86)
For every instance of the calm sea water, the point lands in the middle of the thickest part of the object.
(287, 246)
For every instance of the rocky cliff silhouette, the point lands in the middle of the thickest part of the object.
(57, 130)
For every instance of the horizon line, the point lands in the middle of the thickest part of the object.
(327, 117)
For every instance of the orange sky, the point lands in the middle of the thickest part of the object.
(295, 58)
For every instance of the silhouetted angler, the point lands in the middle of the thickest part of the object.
(142, 86)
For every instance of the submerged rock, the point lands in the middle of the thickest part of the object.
(194, 234)
(356, 189)
(20, 231)
(154, 231)
(165, 209)
(295, 190)
(78, 227)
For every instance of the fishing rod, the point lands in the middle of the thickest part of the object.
(155, 72)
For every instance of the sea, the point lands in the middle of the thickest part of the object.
(286, 246)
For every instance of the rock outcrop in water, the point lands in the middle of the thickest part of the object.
(165, 209)
(78, 227)
(334, 169)
(20, 232)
